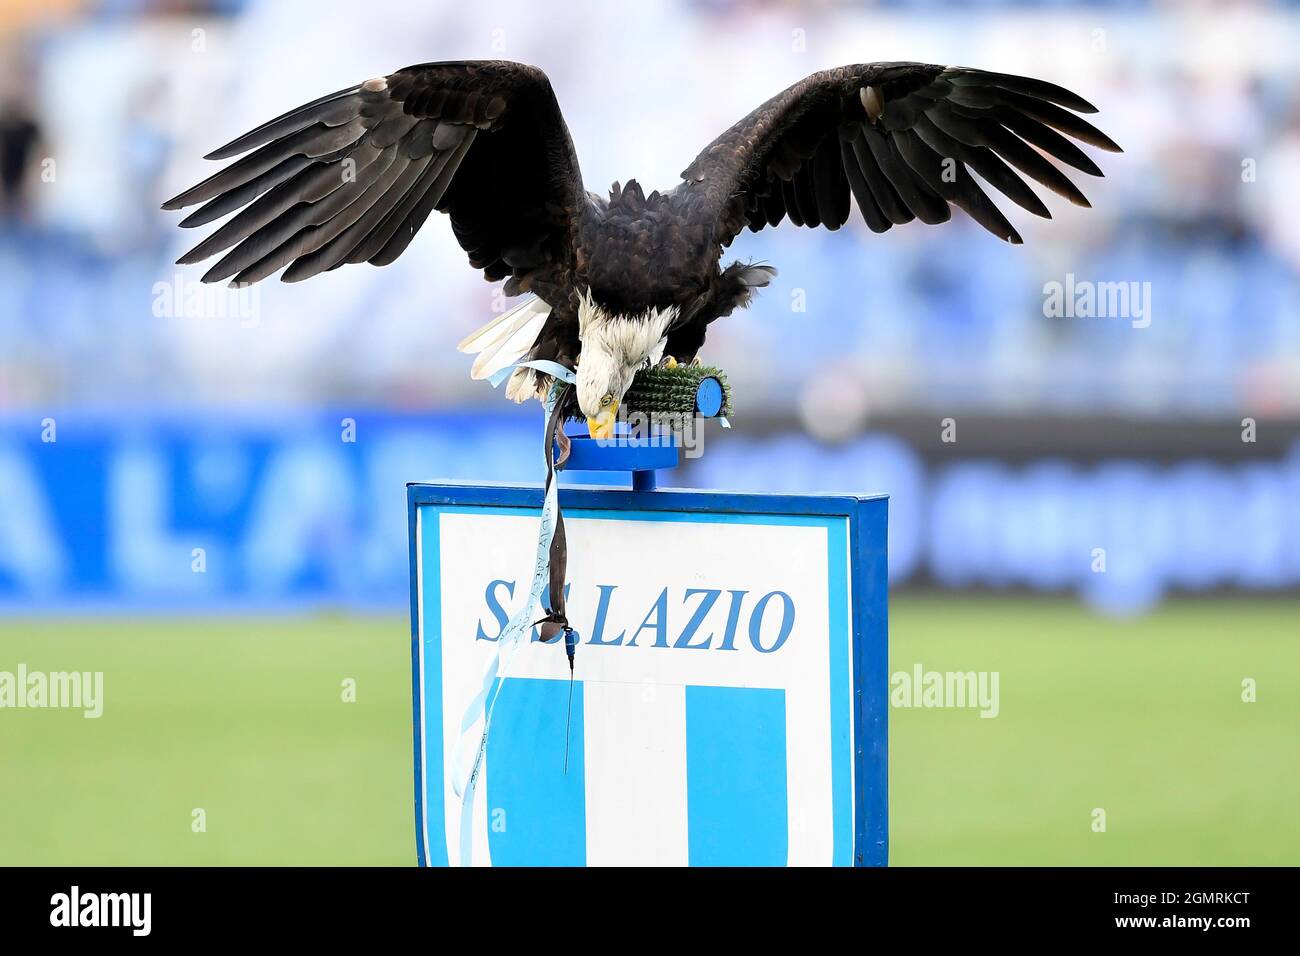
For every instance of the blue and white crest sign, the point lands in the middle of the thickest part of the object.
(730, 690)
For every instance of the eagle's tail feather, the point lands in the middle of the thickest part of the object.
(508, 342)
(501, 325)
(525, 383)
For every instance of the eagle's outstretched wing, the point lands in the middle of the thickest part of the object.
(351, 176)
(903, 139)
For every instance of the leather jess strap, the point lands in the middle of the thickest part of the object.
(556, 622)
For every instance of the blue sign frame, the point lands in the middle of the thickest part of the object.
(868, 580)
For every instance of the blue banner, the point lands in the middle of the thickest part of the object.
(122, 510)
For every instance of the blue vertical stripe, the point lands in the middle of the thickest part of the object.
(432, 766)
(837, 549)
(536, 813)
(871, 680)
(736, 802)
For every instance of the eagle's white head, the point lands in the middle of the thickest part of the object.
(613, 348)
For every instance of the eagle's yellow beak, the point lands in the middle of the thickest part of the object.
(602, 426)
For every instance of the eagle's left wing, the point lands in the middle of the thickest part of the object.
(903, 139)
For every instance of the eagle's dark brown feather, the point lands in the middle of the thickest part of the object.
(934, 126)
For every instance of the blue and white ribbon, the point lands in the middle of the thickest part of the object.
(512, 635)
(554, 369)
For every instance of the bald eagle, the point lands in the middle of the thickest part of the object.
(631, 279)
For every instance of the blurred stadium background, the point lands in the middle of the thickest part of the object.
(1115, 527)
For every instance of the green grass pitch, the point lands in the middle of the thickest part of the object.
(245, 719)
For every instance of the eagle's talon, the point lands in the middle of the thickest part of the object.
(668, 362)
(697, 362)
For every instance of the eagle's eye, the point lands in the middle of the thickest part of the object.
(606, 399)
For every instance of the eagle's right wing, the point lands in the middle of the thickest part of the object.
(352, 176)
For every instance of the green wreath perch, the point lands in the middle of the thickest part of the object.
(683, 390)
